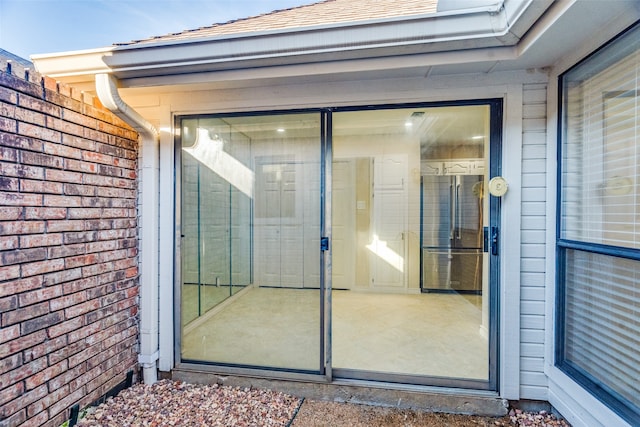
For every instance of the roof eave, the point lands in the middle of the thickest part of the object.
(475, 29)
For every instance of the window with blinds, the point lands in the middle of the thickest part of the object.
(598, 329)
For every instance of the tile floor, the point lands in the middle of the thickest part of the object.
(422, 334)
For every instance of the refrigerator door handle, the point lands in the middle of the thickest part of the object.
(458, 210)
(485, 239)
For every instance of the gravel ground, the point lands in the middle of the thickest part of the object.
(173, 403)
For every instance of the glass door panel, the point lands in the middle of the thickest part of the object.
(250, 210)
(410, 283)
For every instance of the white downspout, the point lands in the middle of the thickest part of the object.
(107, 90)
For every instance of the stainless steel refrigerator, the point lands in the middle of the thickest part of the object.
(451, 233)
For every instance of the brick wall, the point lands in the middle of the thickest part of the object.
(68, 249)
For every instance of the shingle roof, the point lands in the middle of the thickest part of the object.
(321, 13)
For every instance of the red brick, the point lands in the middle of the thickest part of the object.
(66, 377)
(41, 267)
(22, 171)
(22, 372)
(39, 159)
(79, 237)
(41, 322)
(39, 240)
(77, 142)
(45, 213)
(97, 180)
(8, 125)
(62, 276)
(67, 225)
(8, 95)
(97, 202)
(9, 184)
(21, 142)
(85, 213)
(21, 256)
(7, 110)
(21, 227)
(9, 333)
(43, 376)
(131, 272)
(8, 273)
(67, 301)
(10, 213)
(28, 186)
(98, 224)
(79, 285)
(113, 255)
(22, 314)
(66, 251)
(81, 309)
(7, 395)
(10, 363)
(18, 199)
(83, 355)
(43, 294)
(102, 246)
(65, 327)
(94, 157)
(28, 116)
(83, 379)
(39, 105)
(39, 132)
(8, 243)
(8, 154)
(81, 260)
(46, 348)
(66, 402)
(95, 135)
(21, 343)
(96, 269)
(22, 285)
(85, 332)
(63, 176)
(16, 419)
(8, 303)
(79, 190)
(81, 166)
(37, 420)
(48, 400)
(63, 201)
(80, 119)
(64, 126)
(62, 150)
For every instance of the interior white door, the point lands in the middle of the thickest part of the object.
(278, 233)
(387, 241)
(343, 225)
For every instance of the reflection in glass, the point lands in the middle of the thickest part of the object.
(410, 280)
(251, 224)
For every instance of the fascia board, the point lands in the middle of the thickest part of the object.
(324, 68)
(74, 63)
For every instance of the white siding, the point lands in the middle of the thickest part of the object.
(533, 382)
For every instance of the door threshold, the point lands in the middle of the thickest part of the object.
(403, 396)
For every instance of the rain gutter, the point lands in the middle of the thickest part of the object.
(107, 91)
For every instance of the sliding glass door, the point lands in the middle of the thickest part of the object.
(356, 250)
(412, 292)
(250, 195)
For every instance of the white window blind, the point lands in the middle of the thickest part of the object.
(602, 320)
(599, 322)
(601, 170)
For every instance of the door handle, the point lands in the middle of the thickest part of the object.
(324, 244)
(495, 240)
